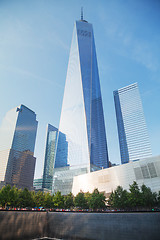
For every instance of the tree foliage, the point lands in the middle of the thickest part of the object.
(14, 197)
(58, 200)
(97, 200)
(25, 198)
(5, 195)
(149, 199)
(136, 197)
(80, 200)
(68, 201)
(48, 201)
(39, 199)
(119, 198)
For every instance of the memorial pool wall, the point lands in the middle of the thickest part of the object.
(79, 226)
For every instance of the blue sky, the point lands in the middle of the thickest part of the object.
(35, 39)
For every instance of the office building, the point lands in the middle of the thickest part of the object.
(37, 184)
(51, 142)
(17, 142)
(133, 136)
(83, 146)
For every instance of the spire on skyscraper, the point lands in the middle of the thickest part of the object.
(82, 20)
(81, 13)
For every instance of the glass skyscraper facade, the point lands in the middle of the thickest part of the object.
(17, 142)
(83, 143)
(37, 184)
(51, 142)
(132, 130)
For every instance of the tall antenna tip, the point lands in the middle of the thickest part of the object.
(82, 13)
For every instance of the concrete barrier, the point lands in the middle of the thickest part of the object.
(98, 226)
(110, 226)
(22, 225)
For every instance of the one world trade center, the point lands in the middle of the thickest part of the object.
(81, 145)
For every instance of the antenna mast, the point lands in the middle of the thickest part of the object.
(82, 13)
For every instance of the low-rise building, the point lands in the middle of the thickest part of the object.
(145, 171)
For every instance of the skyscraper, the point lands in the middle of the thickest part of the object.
(17, 142)
(132, 130)
(82, 119)
(51, 142)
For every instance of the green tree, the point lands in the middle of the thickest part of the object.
(87, 196)
(119, 198)
(158, 198)
(124, 200)
(33, 195)
(68, 201)
(111, 199)
(48, 200)
(14, 197)
(80, 200)
(25, 198)
(97, 200)
(5, 197)
(58, 200)
(149, 199)
(39, 199)
(135, 196)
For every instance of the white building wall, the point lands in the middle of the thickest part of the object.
(145, 171)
